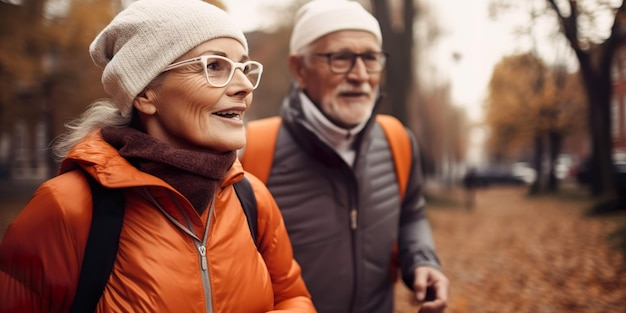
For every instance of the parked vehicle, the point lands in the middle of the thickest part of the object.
(524, 171)
(583, 173)
(498, 175)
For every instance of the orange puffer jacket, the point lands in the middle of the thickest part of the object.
(159, 267)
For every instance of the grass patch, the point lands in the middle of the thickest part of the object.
(617, 239)
(604, 206)
(564, 194)
(615, 209)
(438, 200)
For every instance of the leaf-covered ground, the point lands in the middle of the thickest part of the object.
(526, 255)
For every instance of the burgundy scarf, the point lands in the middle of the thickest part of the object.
(196, 175)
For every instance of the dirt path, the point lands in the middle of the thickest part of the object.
(526, 255)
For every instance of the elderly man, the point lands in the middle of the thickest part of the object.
(333, 174)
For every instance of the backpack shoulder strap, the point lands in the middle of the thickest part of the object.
(102, 244)
(401, 150)
(244, 192)
(104, 237)
(261, 136)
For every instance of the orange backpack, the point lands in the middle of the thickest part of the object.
(261, 135)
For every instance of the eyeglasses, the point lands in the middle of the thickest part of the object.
(343, 62)
(219, 71)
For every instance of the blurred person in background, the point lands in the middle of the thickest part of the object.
(470, 184)
(180, 80)
(332, 171)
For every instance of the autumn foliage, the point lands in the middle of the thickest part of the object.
(526, 98)
(46, 74)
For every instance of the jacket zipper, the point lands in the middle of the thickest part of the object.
(204, 262)
(200, 244)
(204, 269)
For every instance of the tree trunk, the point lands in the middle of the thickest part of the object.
(599, 90)
(555, 140)
(398, 43)
(537, 185)
(595, 66)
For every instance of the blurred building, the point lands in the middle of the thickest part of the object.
(23, 154)
(618, 101)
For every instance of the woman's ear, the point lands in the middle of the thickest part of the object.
(144, 102)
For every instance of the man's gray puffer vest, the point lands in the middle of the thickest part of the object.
(343, 221)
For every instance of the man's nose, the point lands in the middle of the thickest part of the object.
(359, 70)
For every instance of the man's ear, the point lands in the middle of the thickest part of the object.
(144, 102)
(298, 69)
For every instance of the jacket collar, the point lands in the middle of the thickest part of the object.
(103, 162)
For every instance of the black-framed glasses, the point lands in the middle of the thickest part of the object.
(219, 70)
(342, 62)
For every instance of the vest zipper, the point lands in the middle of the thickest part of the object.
(353, 226)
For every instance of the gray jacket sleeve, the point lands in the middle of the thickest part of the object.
(415, 242)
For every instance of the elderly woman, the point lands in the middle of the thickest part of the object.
(180, 80)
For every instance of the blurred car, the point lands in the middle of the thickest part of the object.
(524, 171)
(583, 173)
(496, 175)
(565, 163)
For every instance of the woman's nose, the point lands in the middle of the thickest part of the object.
(241, 80)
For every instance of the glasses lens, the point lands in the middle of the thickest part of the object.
(253, 72)
(341, 62)
(218, 71)
(373, 61)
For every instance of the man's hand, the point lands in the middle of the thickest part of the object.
(435, 282)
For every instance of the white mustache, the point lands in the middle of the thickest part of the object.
(346, 88)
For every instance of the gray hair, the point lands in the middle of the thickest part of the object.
(305, 53)
(100, 113)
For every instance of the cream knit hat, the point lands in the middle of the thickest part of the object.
(146, 37)
(321, 17)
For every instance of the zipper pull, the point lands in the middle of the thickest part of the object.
(353, 215)
(202, 250)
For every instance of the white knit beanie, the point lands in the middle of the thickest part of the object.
(146, 37)
(321, 17)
